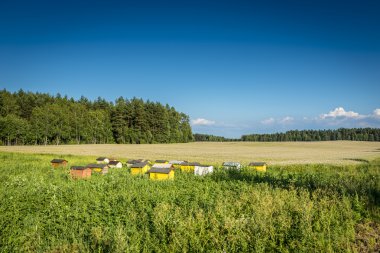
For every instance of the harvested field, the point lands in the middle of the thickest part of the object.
(337, 152)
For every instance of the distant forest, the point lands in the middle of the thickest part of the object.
(39, 118)
(42, 119)
(209, 137)
(352, 134)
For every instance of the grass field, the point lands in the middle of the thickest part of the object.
(290, 208)
(338, 152)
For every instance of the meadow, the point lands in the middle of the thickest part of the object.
(326, 152)
(299, 207)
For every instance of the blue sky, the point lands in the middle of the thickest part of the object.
(235, 67)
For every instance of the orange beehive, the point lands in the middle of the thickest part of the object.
(58, 162)
(80, 172)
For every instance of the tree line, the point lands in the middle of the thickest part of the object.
(209, 137)
(40, 118)
(351, 134)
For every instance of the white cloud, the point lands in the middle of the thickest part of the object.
(376, 113)
(286, 120)
(268, 121)
(339, 117)
(335, 118)
(202, 122)
(339, 112)
(272, 121)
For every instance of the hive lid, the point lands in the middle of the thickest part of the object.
(177, 162)
(161, 161)
(114, 162)
(133, 161)
(58, 161)
(232, 164)
(78, 168)
(139, 165)
(160, 170)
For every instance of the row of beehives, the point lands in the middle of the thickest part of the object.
(192, 166)
(161, 169)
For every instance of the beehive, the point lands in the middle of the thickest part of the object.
(80, 172)
(161, 172)
(258, 166)
(58, 162)
(139, 168)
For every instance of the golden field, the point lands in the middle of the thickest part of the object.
(333, 152)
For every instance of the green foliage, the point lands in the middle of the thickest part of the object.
(33, 118)
(295, 208)
(209, 137)
(351, 134)
(14, 129)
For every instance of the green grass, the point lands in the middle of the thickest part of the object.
(315, 208)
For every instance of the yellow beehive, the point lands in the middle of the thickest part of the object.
(161, 172)
(139, 168)
(161, 162)
(133, 161)
(177, 164)
(258, 166)
(189, 167)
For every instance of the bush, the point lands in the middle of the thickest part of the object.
(316, 208)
